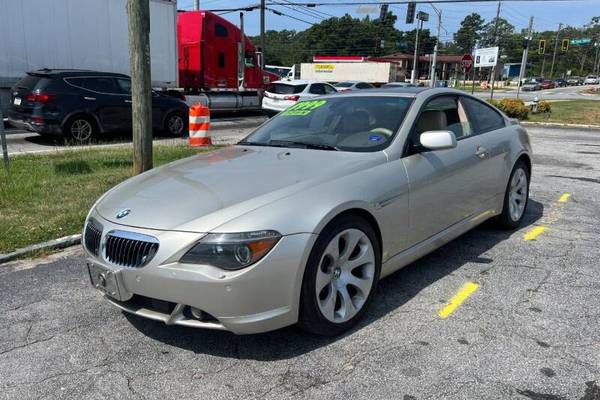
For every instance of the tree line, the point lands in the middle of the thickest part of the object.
(348, 35)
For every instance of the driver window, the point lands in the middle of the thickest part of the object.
(444, 113)
(317, 88)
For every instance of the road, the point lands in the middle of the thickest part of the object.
(224, 128)
(564, 93)
(530, 331)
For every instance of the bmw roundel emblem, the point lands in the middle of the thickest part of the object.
(123, 213)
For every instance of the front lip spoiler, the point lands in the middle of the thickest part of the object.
(176, 317)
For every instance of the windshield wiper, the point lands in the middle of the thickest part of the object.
(305, 145)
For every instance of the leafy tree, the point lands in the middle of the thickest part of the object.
(501, 36)
(469, 32)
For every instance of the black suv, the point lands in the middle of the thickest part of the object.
(81, 104)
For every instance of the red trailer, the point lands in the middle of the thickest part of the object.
(217, 66)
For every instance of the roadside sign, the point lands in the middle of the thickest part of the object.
(466, 63)
(579, 42)
(486, 57)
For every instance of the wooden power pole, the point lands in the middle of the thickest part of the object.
(141, 87)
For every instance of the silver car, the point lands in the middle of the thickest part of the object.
(299, 221)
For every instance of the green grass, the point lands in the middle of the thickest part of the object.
(48, 196)
(585, 112)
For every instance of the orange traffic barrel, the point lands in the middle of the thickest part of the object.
(199, 126)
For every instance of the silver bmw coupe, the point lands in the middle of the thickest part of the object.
(299, 221)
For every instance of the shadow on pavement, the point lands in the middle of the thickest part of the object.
(393, 292)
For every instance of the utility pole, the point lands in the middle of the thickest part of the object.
(496, 42)
(525, 54)
(262, 33)
(413, 74)
(138, 12)
(3, 140)
(555, 50)
(435, 49)
(196, 5)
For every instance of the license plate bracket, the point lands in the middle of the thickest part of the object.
(105, 279)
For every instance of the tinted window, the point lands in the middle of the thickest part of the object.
(124, 85)
(363, 85)
(317, 88)
(220, 30)
(483, 117)
(29, 82)
(344, 84)
(348, 123)
(329, 89)
(444, 113)
(75, 81)
(102, 85)
(221, 60)
(283, 88)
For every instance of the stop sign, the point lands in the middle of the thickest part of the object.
(466, 62)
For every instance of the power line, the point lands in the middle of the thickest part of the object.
(363, 3)
(276, 12)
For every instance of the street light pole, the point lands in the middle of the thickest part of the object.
(413, 74)
(525, 54)
(196, 5)
(555, 50)
(435, 49)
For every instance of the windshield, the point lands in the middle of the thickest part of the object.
(366, 123)
(283, 88)
(344, 84)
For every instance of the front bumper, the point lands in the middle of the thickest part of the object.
(256, 299)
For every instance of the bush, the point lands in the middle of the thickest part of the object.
(544, 107)
(514, 108)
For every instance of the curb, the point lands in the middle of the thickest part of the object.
(560, 125)
(59, 243)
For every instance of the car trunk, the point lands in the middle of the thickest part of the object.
(19, 102)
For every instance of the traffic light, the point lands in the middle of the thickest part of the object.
(564, 45)
(542, 47)
(410, 12)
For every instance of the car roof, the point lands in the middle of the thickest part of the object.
(397, 91)
(61, 73)
(297, 82)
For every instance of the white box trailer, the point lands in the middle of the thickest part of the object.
(82, 34)
(372, 72)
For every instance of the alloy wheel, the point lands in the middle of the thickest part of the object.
(517, 197)
(345, 275)
(81, 130)
(175, 124)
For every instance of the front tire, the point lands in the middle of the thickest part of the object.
(516, 198)
(341, 276)
(175, 125)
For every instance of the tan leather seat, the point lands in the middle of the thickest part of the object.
(432, 120)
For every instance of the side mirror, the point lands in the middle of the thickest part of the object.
(438, 140)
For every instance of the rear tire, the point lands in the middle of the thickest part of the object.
(341, 277)
(516, 198)
(80, 129)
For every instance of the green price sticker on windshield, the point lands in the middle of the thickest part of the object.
(303, 108)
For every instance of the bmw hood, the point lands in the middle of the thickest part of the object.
(200, 193)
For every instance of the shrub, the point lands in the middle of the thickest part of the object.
(544, 107)
(514, 108)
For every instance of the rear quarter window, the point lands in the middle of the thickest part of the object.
(282, 88)
(483, 117)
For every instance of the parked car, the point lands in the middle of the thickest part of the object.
(80, 104)
(574, 80)
(391, 85)
(547, 84)
(300, 220)
(560, 82)
(591, 80)
(348, 86)
(531, 85)
(283, 94)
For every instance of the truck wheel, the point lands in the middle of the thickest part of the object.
(175, 124)
(80, 129)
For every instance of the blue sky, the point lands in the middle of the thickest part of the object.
(547, 14)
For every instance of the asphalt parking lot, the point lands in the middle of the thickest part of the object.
(528, 326)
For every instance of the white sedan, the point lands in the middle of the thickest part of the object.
(284, 94)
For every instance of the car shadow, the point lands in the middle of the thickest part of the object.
(393, 292)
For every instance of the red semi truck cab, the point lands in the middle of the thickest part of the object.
(210, 49)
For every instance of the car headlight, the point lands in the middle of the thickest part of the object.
(232, 251)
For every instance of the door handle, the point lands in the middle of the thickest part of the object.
(481, 152)
(128, 101)
(89, 98)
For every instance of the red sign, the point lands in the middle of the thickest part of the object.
(466, 62)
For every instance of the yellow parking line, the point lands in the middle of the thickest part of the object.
(564, 197)
(467, 290)
(534, 233)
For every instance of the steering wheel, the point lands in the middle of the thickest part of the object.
(383, 131)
